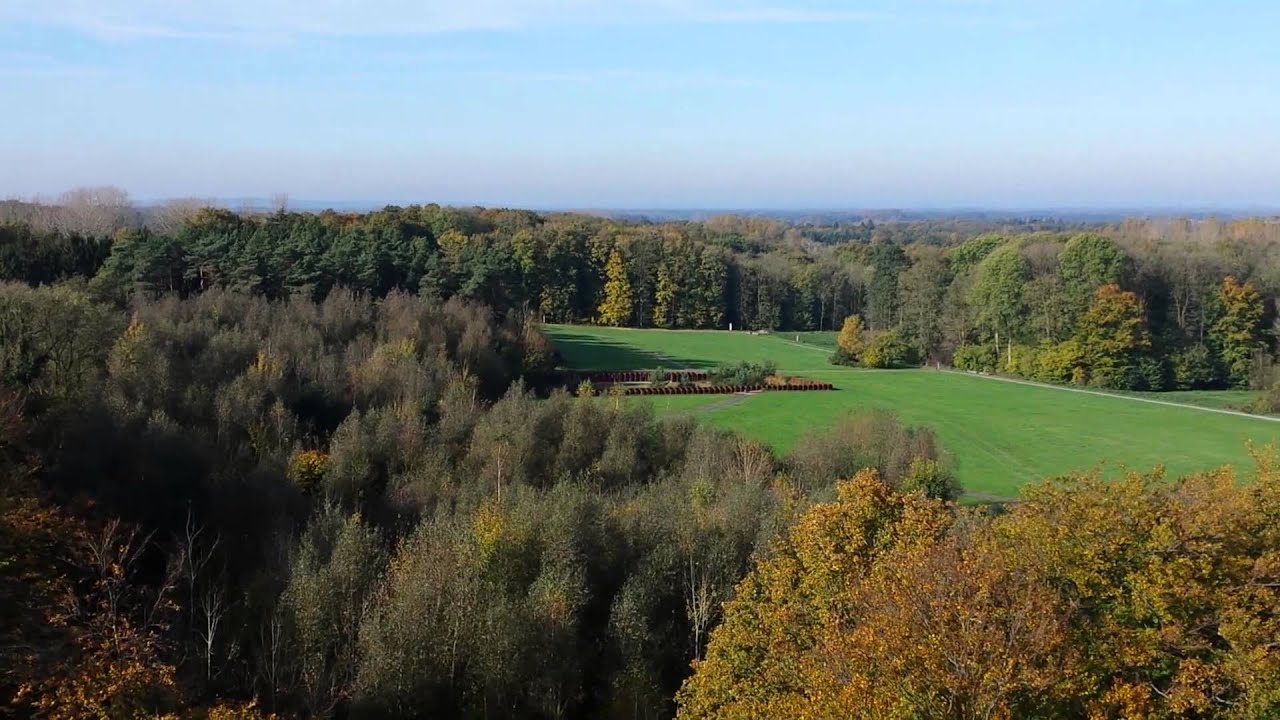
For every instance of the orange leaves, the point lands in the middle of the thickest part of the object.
(307, 468)
(1136, 598)
(767, 656)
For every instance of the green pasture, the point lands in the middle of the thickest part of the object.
(1000, 435)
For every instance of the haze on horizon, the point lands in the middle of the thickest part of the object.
(648, 103)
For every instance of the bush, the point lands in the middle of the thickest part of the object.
(1149, 374)
(744, 373)
(886, 350)
(875, 439)
(1194, 369)
(1267, 402)
(1024, 361)
(975, 358)
(930, 477)
(1058, 363)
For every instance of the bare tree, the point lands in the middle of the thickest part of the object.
(96, 211)
(207, 604)
(701, 602)
(169, 217)
(113, 558)
(753, 462)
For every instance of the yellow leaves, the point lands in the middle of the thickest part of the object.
(850, 338)
(616, 307)
(245, 711)
(307, 468)
(130, 346)
(1141, 597)
(267, 366)
(487, 527)
(768, 657)
(451, 243)
(121, 679)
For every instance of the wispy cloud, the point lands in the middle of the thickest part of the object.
(623, 76)
(263, 20)
(21, 64)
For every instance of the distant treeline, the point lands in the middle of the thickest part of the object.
(1009, 297)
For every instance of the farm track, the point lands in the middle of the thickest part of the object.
(1081, 391)
(1000, 436)
(1048, 386)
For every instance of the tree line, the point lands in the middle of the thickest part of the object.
(1144, 304)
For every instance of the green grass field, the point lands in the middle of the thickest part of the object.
(598, 348)
(675, 405)
(1000, 435)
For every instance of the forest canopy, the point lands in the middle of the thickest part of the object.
(318, 465)
(1142, 304)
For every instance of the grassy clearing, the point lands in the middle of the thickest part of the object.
(596, 348)
(1000, 435)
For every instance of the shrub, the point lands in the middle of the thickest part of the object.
(1149, 374)
(744, 373)
(928, 476)
(1058, 362)
(975, 358)
(875, 439)
(1023, 360)
(886, 350)
(1193, 368)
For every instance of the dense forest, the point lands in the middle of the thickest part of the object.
(1143, 304)
(310, 465)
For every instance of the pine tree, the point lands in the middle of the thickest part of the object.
(616, 308)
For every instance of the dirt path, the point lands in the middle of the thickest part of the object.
(1048, 386)
(1101, 393)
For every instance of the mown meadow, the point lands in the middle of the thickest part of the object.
(999, 435)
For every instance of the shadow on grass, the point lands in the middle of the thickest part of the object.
(594, 353)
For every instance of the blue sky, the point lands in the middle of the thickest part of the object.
(648, 103)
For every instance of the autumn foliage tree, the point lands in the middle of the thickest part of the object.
(850, 341)
(615, 308)
(1110, 336)
(1138, 598)
(1238, 330)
